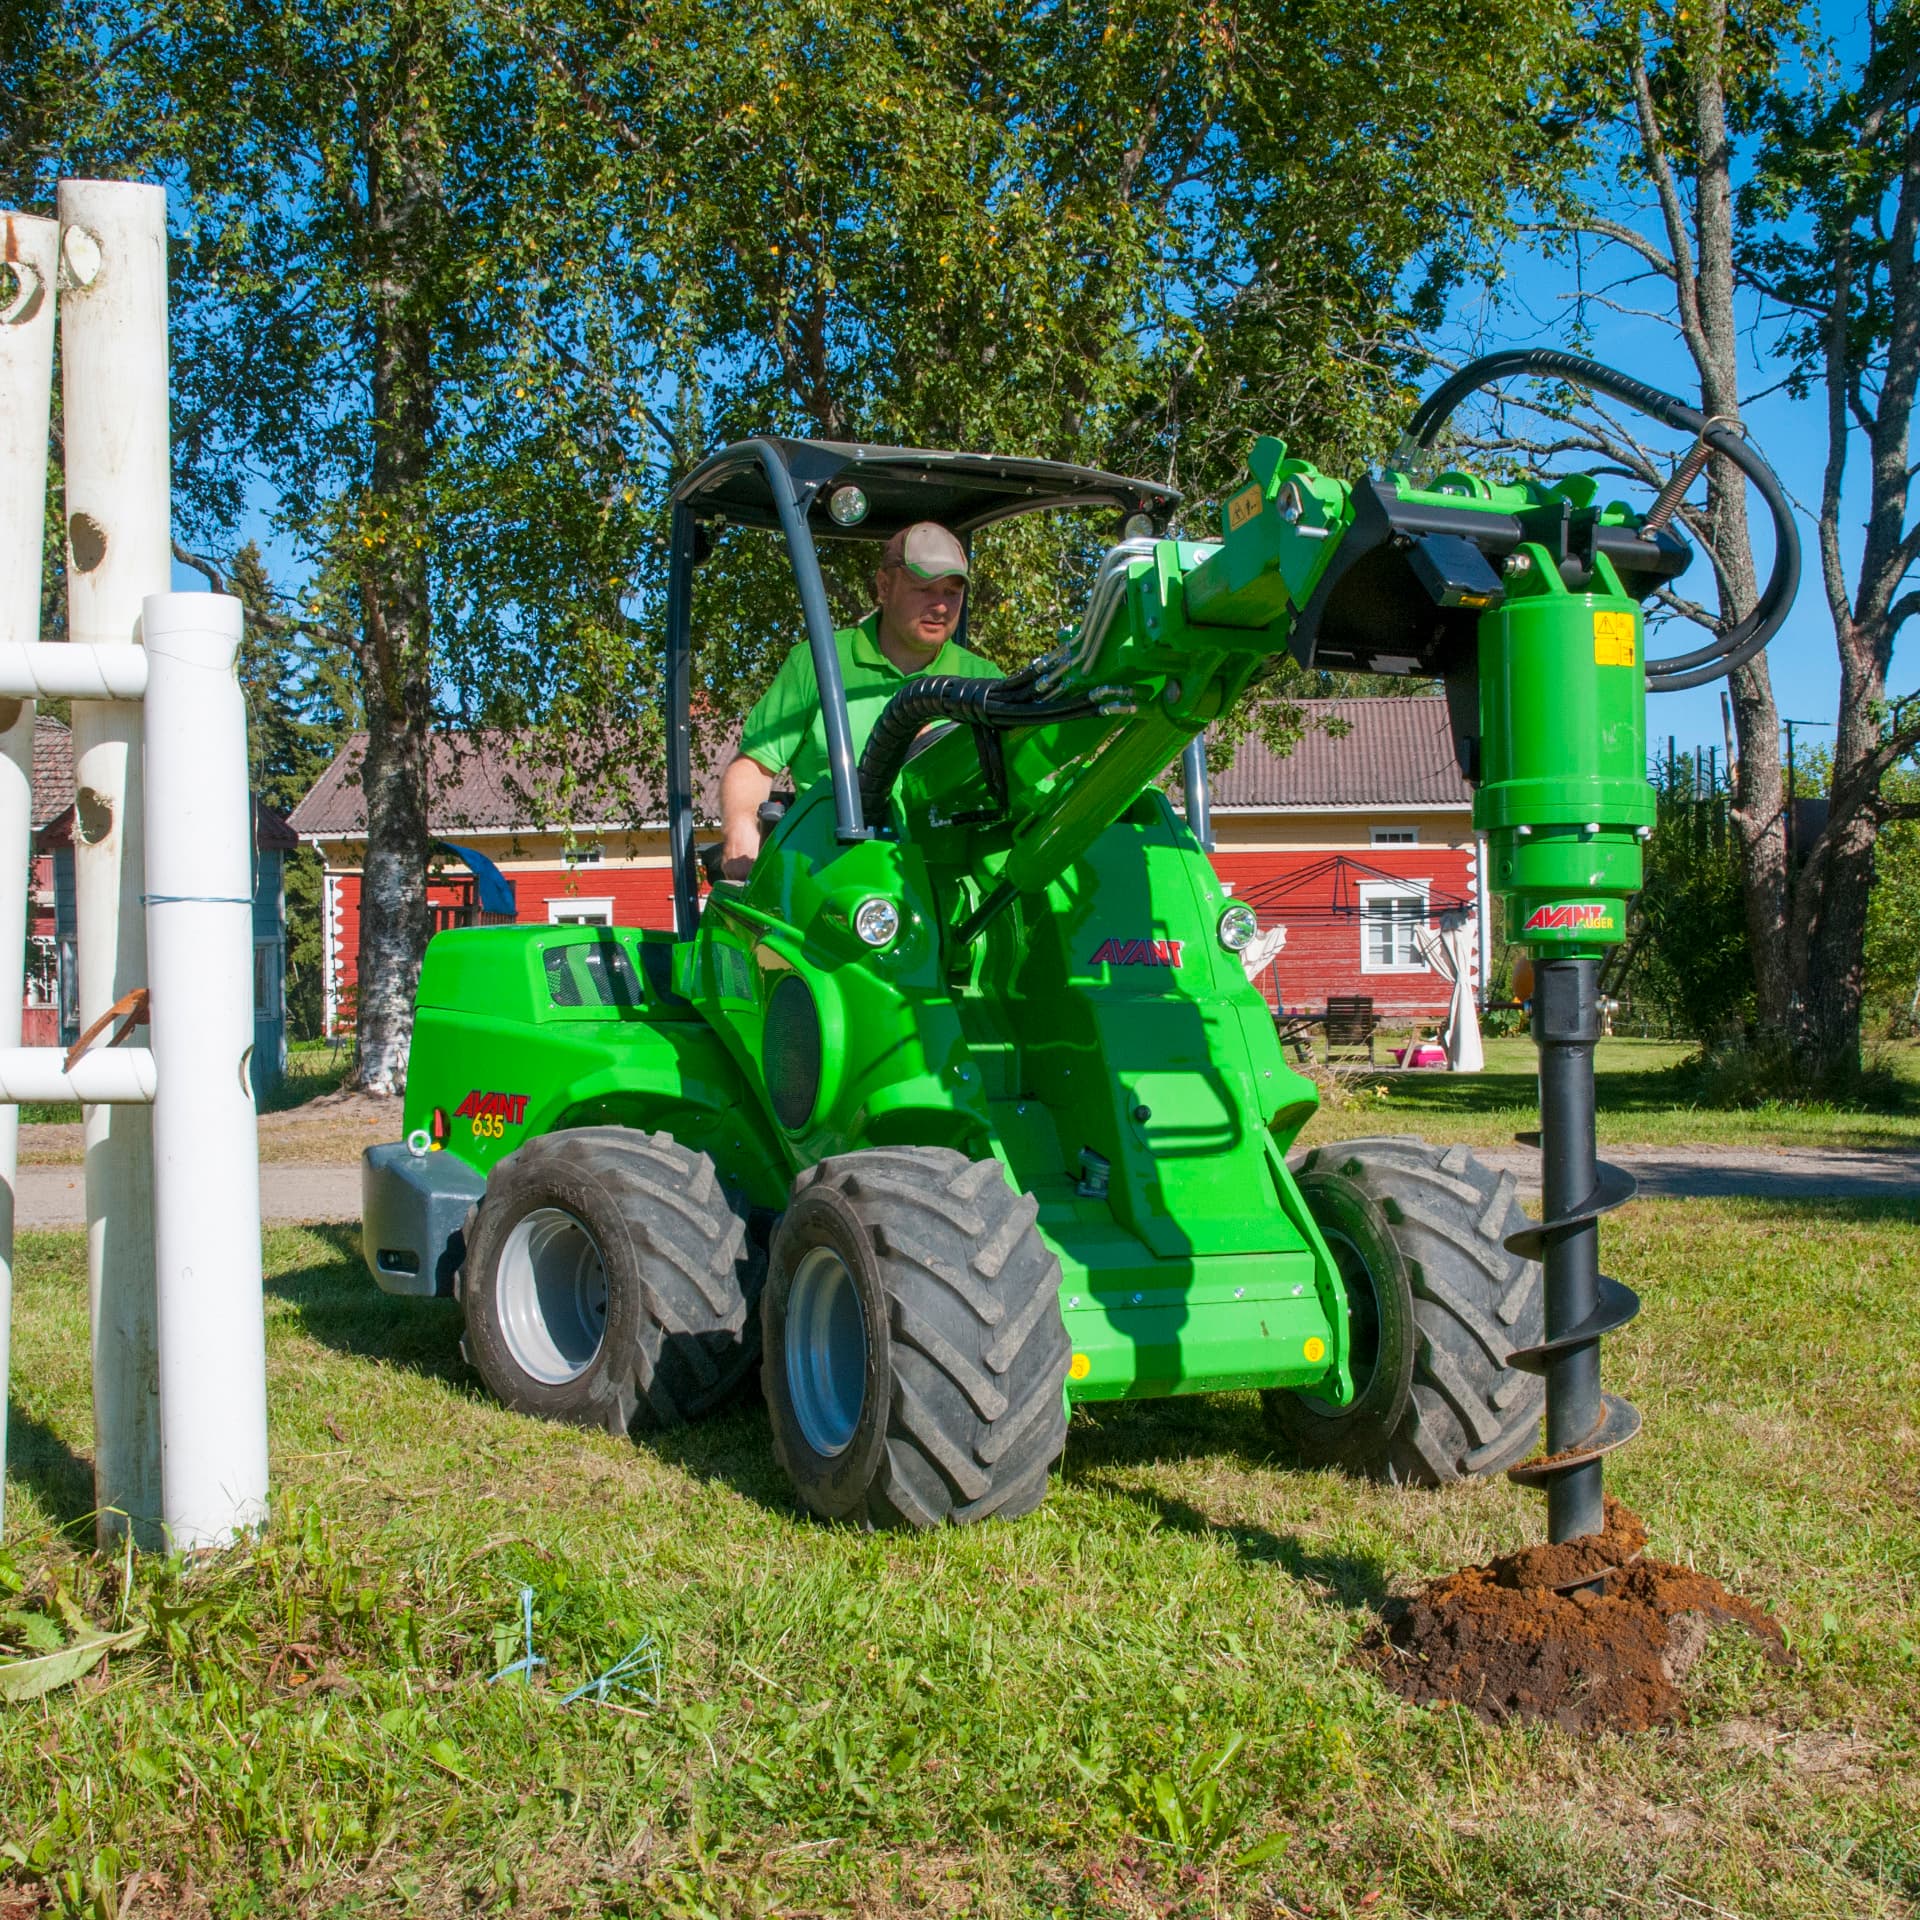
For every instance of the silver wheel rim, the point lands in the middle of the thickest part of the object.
(551, 1295)
(826, 1341)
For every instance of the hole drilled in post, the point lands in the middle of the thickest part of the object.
(87, 541)
(20, 289)
(95, 814)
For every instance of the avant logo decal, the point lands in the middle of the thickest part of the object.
(509, 1107)
(1580, 916)
(1138, 953)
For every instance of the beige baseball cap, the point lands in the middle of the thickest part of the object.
(927, 550)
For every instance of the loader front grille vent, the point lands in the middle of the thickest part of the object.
(791, 1051)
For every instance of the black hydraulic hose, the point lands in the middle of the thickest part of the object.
(947, 696)
(1742, 641)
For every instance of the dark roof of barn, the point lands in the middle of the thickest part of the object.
(52, 769)
(478, 785)
(1395, 753)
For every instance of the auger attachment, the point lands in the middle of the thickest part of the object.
(1584, 1423)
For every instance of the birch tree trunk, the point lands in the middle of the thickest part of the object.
(396, 609)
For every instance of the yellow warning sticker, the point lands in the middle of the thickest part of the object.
(1244, 505)
(1080, 1367)
(1613, 639)
(1315, 1349)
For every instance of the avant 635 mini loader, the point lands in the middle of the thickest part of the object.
(960, 1109)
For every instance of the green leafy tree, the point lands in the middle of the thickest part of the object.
(1124, 239)
(361, 322)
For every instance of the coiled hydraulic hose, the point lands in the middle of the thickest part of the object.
(1725, 651)
(998, 704)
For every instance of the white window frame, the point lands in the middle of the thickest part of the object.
(1408, 836)
(575, 911)
(1373, 890)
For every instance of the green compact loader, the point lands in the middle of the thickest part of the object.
(961, 1109)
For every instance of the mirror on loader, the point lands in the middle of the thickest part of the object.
(959, 1109)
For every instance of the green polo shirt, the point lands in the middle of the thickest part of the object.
(786, 732)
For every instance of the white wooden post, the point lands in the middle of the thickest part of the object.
(31, 251)
(206, 1181)
(113, 335)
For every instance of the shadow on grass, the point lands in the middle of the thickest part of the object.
(1139, 1433)
(1349, 1580)
(336, 1303)
(57, 1477)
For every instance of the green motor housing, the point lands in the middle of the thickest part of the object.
(1563, 798)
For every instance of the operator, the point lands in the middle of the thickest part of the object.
(921, 586)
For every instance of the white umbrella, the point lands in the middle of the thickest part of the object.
(1450, 954)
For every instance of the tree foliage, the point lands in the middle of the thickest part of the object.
(464, 289)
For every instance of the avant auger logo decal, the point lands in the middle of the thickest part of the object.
(1138, 953)
(1579, 916)
(492, 1113)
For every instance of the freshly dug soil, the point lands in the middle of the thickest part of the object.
(1500, 1641)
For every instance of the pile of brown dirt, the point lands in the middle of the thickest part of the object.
(1502, 1642)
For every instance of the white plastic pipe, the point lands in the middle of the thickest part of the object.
(212, 1318)
(113, 337)
(30, 249)
(55, 670)
(103, 1076)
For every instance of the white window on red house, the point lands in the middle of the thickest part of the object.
(579, 913)
(1396, 836)
(1389, 918)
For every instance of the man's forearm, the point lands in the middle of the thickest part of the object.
(745, 788)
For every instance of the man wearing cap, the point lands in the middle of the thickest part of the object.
(921, 586)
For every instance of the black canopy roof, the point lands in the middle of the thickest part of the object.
(962, 491)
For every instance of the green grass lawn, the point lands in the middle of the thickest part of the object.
(1135, 1703)
(1638, 1101)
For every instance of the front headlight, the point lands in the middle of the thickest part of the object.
(876, 921)
(1238, 928)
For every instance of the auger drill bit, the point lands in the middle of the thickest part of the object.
(1584, 1423)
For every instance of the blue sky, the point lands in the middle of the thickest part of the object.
(1791, 434)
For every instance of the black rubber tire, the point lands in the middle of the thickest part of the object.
(961, 1412)
(1438, 1402)
(682, 1330)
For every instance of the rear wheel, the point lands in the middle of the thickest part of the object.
(1436, 1303)
(915, 1354)
(609, 1282)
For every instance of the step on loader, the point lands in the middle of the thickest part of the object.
(960, 1109)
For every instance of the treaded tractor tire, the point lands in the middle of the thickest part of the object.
(916, 1360)
(1439, 1305)
(664, 1331)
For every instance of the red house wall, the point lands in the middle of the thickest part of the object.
(1322, 955)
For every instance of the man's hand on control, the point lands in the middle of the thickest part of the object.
(745, 787)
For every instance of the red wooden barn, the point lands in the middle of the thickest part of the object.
(1352, 842)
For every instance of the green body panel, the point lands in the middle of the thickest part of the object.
(1057, 995)
(550, 1020)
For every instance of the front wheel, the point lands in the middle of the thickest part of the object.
(609, 1282)
(916, 1360)
(1436, 1304)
